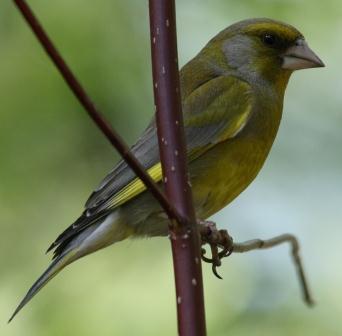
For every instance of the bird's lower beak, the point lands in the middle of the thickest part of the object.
(300, 56)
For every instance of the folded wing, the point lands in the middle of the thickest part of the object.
(214, 112)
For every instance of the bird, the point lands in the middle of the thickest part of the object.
(232, 95)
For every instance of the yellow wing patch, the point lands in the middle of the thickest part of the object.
(135, 187)
(237, 124)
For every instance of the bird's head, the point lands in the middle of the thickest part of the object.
(262, 49)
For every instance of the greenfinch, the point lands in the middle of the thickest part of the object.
(232, 99)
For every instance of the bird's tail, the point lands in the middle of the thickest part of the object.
(57, 265)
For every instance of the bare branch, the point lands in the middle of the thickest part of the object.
(220, 239)
(258, 244)
(184, 236)
(185, 239)
(93, 112)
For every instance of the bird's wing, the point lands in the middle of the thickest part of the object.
(116, 188)
(147, 153)
(214, 112)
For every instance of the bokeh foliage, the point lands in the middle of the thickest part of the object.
(52, 156)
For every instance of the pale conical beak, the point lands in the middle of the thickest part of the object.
(300, 56)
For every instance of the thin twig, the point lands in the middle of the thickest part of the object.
(184, 236)
(258, 244)
(93, 112)
(220, 239)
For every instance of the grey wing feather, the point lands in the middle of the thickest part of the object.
(145, 150)
(111, 184)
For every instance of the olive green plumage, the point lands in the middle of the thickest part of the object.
(232, 97)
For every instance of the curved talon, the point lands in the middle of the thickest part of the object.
(204, 258)
(207, 260)
(217, 239)
(215, 272)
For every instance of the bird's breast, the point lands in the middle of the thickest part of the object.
(223, 172)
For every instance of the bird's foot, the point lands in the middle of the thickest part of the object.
(220, 242)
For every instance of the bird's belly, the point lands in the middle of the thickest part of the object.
(224, 172)
(217, 177)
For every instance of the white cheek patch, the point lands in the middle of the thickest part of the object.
(239, 51)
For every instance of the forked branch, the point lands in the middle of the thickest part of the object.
(188, 272)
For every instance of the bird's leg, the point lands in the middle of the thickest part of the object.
(257, 244)
(216, 239)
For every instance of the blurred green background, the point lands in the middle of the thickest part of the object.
(52, 157)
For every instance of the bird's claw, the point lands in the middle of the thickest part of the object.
(217, 239)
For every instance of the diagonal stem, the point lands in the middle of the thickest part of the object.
(93, 112)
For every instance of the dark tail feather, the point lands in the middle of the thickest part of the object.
(56, 265)
(83, 222)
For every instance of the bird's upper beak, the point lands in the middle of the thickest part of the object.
(300, 56)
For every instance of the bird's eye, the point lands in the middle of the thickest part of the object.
(269, 39)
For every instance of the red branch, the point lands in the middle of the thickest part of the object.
(184, 236)
(94, 114)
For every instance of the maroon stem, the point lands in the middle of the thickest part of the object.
(184, 236)
(93, 112)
